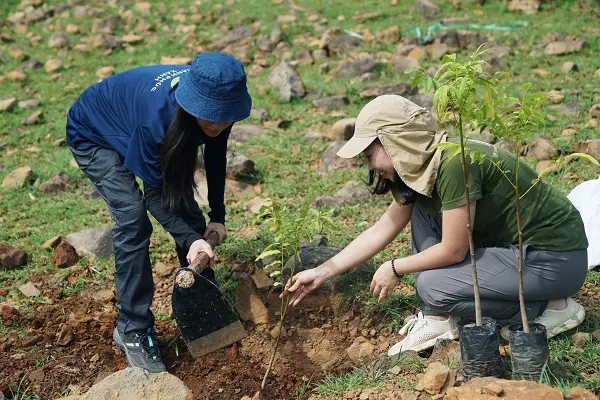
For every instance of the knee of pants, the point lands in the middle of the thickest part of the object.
(430, 293)
(131, 221)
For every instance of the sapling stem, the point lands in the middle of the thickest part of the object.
(520, 233)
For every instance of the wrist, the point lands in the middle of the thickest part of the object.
(395, 269)
(327, 270)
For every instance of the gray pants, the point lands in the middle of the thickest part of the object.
(131, 234)
(547, 275)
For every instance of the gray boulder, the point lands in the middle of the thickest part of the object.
(93, 244)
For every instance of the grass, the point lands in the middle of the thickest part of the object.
(359, 378)
(288, 164)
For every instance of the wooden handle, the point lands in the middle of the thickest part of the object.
(202, 259)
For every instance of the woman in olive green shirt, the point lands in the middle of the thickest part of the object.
(396, 136)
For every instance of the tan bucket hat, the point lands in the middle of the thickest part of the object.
(407, 132)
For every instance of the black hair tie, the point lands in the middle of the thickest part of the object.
(399, 276)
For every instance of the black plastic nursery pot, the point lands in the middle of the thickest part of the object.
(479, 347)
(528, 351)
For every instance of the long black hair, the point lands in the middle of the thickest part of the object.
(381, 185)
(179, 159)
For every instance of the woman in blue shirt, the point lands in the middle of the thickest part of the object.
(150, 122)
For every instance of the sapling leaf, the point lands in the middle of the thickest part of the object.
(267, 254)
(275, 274)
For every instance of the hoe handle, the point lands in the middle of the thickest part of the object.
(202, 259)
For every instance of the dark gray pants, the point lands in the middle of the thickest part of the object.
(547, 275)
(131, 234)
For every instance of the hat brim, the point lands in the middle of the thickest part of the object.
(212, 109)
(355, 146)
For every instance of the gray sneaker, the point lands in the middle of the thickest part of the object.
(141, 349)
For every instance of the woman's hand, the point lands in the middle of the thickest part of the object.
(305, 282)
(199, 246)
(384, 281)
(216, 227)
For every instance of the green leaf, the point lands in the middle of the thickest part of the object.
(416, 80)
(267, 254)
(275, 274)
(272, 264)
(583, 156)
(410, 70)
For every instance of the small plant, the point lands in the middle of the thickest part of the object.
(288, 229)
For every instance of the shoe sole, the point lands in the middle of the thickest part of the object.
(564, 327)
(117, 342)
(453, 335)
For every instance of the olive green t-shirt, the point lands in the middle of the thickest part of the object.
(548, 219)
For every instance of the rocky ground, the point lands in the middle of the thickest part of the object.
(311, 67)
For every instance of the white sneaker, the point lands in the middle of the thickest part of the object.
(422, 333)
(557, 321)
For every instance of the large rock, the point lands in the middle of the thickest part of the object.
(64, 256)
(29, 290)
(571, 110)
(7, 104)
(564, 47)
(17, 178)
(248, 303)
(331, 103)
(426, 8)
(360, 351)
(524, 6)
(346, 196)
(58, 40)
(542, 149)
(57, 183)
(434, 378)
(401, 89)
(240, 167)
(356, 68)
(462, 39)
(237, 37)
(287, 81)
(93, 243)
(12, 257)
(135, 383)
(591, 147)
(244, 132)
(343, 129)
(487, 389)
(342, 44)
(594, 111)
(401, 63)
(331, 162)
(579, 393)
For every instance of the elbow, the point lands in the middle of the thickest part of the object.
(457, 254)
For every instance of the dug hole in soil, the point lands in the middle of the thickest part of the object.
(68, 347)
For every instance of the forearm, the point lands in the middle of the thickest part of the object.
(183, 234)
(215, 164)
(436, 256)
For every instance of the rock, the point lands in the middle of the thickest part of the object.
(176, 60)
(17, 178)
(437, 50)
(596, 336)
(569, 66)
(346, 196)
(29, 290)
(131, 383)
(342, 44)
(255, 205)
(556, 96)
(417, 54)
(247, 302)
(51, 243)
(511, 390)
(57, 183)
(33, 118)
(594, 111)
(360, 351)
(331, 162)
(524, 6)
(542, 149)
(540, 72)
(568, 110)
(564, 47)
(12, 257)
(7, 104)
(65, 336)
(29, 104)
(132, 39)
(16, 76)
(287, 81)
(52, 65)
(58, 40)
(331, 103)
(462, 39)
(590, 147)
(107, 25)
(580, 339)
(426, 8)
(542, 165)
(240, 167)
(17, 53)
(72, 28)
(579, 393)
(343, 129)
(402, 89)
(434, 378)
(568, 132)
(245, 132)
(313, 135)
(356, 68)
(390, 35)
(105, 72)
(319, 54)
(164, 270)
(259, 113)
(401, 63)
(237, 36)
(93, 243)
(64, 256)
(262, 281)
(104, 296)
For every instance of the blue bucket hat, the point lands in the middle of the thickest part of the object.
(214, 89)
